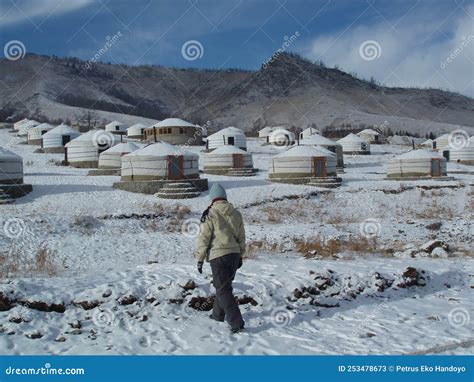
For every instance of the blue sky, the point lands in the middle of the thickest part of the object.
(412, 39)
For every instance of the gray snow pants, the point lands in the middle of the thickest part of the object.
(223, 273)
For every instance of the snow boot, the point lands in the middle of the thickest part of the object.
(237, 330)
(211, 316)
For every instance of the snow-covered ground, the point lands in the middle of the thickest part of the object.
(90, 269)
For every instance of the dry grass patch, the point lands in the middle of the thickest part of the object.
(317, 246)
(257, 246)
(14, 262)
(284, 214)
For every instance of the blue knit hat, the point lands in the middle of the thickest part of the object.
(217, 192)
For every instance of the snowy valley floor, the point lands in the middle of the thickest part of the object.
(87, 269)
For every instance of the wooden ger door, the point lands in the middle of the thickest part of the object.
(319, 167)
(435, 167)
(238, 160)
(175, 167)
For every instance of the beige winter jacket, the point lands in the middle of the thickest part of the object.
(222, 233)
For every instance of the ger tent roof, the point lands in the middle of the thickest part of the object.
(174, 122)
(124, 147)
(444, 136)
(162, 150)
(419, 154)
(236, 129)
(369, 131)
(115, 123)
(311, 130)
(21, 121)
(8, 155)
(351, 138)
(317, 139)
(227, 131)
(43, 126)
(62, 129)
(229, 149)
(89, 136)
(305, 151)
(29, 124)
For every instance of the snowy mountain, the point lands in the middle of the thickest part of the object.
(290, 91)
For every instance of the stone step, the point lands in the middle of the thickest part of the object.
(325, 185)
(241, 172)
(325, 182)
(177, 195)
(7, 201)
(178, 190)
(178, 185)
(5, 198)
(169, 190)
(236, 173)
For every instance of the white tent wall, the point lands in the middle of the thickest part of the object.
(221, 138)
(25, 127)
(412, 168)
(53, 139)
(11, 167)
(16, 125)
(306, 133)
(153, 168)
(441, 143)
(415, 164)
(136, 131)
(35, 135)
(116, 127)
(352, 144)
(463, 155)
(225, 161)
(112, 158)
(301, 166)
(84, 150)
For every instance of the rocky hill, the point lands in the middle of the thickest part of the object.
(291, 91)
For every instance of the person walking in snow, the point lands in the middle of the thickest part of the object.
(222, 242)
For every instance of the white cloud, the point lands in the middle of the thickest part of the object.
(412, 54)
(36, 11)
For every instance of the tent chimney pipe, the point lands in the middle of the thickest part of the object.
(154, 133)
